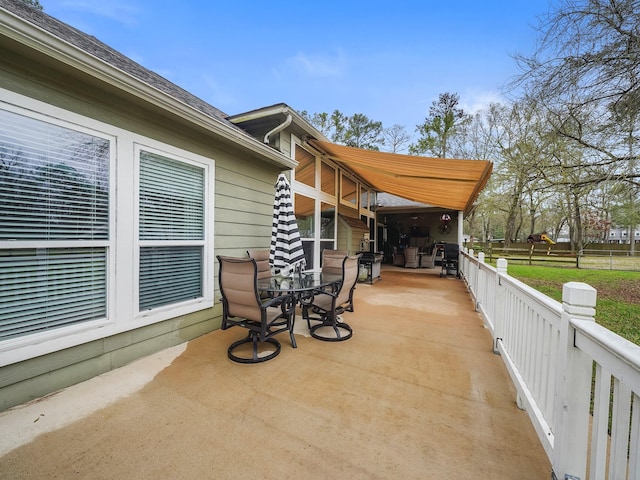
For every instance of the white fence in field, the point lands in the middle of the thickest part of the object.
(578, 381)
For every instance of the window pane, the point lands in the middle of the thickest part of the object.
(54, 181)
(304, 208)
(306, 169)
(169, 275)
(327, 220)
(307, 246)
(171, 199)
(349, 190)
(364, 199)
(47, 288)
(328, 177)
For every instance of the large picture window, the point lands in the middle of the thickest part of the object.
(54, 225)
(102, 230)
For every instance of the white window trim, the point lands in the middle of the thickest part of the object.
(122, 312)
(182, 308)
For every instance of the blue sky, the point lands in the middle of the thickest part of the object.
(387, 60)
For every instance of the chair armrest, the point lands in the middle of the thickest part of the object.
(286, 302)
(306, 299)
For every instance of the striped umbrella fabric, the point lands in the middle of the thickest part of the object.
(286, 251)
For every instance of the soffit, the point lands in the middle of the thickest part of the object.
(448, 183)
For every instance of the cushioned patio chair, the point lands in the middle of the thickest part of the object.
(328, 305)
(242, 307)
(411, 257)
(262, 260)
(332, 260)
(398, 258)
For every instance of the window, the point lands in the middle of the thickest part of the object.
(304, 209)
(349, 191)
(314, 184)
(327, 221)
(171, 230)
(81, 259)
(54, 191)
(328, 176)
(306, 169)
(364, 199)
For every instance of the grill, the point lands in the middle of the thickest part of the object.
(371, 262)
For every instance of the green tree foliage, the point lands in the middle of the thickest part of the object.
(441, 124)
(33, 3)
(363, 133)
(355, 131)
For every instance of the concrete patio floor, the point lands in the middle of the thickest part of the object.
(416, 394)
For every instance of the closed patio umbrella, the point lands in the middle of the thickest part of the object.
(286, 253)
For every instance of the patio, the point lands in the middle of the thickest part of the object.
(416, 393)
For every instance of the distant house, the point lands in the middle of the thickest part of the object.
(621, 235)
(118, 188)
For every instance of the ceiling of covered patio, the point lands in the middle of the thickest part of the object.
(441, 182)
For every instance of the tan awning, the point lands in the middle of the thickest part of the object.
(440, 182)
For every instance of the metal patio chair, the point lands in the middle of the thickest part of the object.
(328, 305)
(243, 307)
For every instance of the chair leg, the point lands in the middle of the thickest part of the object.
(256, 357)
(292, 324)
(307, 317)
(341, 330)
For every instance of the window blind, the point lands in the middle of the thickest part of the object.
(54, 181)
(54, 186)
(171, 199)
(47, 288)
(169, 275)
(172, 207)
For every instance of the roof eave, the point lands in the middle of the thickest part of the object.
(279, 109)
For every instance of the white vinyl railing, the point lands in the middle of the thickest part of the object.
(578, 381)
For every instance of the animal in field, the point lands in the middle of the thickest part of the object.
(539, 238)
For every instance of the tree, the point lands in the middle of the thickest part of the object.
(519, 144)
(363, 133)
(355, 131)
(331, 126)
(586, 72)
(33, 3)
(395, 138)
(438, 127)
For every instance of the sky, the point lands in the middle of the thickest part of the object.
(386, 60)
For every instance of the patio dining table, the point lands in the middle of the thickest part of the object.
(300, 284)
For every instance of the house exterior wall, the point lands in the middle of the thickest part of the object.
(243, 198)
(621, 235)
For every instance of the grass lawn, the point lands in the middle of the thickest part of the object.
(618, 303)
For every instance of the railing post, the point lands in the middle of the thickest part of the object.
(477, 280)
(471, 282)
(499, 305)
(573, 386)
